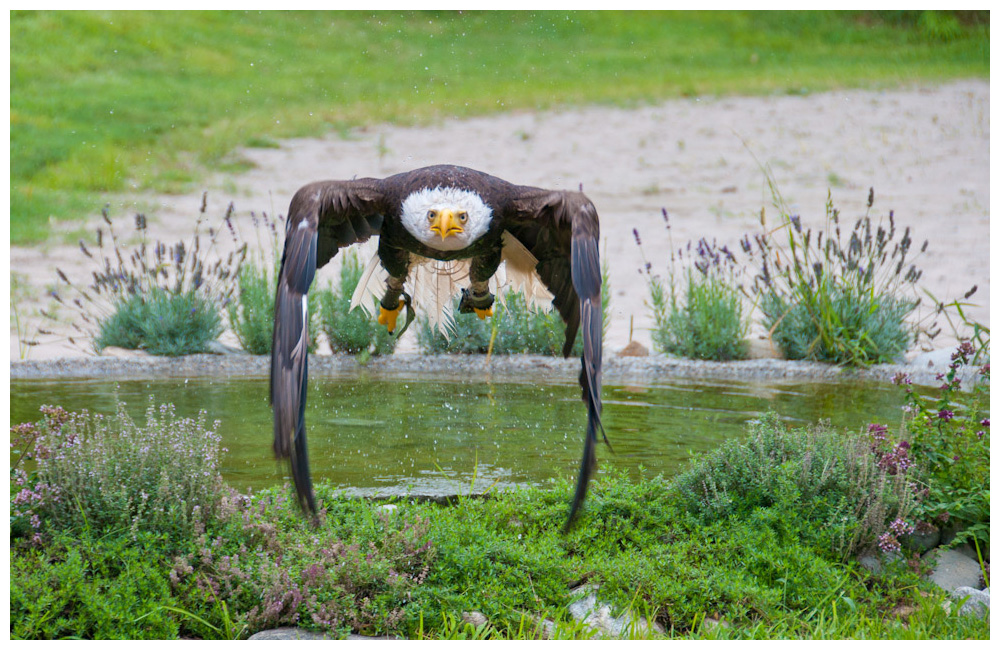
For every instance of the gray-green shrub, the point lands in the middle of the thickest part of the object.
(706, 322)
(164, 299)
(515, 328)
(161, 323)
(351, 331)
(96, 473)
(833, 476)
(699, 310)
(825, 299)
(519, 329)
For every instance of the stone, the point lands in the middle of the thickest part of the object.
(122, 353)
(289, 634)
(299, 634)
(475, 619)
(969, 551)
(710, 623)
(597, 615)
(936, 359)
(874, 563)
(763, 348)
(921, 542)
(954, 570)
(977, 603)
(218, 347)
(634, 349)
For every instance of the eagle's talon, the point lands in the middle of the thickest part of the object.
(388, 317)
(483, 313)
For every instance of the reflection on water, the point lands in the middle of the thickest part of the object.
(404, 436)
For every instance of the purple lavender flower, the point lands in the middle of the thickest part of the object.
(946, 415)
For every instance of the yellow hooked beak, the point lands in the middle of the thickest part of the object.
(447, 222)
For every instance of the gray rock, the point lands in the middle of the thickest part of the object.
(977, 602)
(288, 634)
(710, 623)
(475, 619)
(217, 347)
(954, 570)
(874, 562)
(597, 615)
(545, 628)
(922, 542)
(969, 551)
(935, 359)
(298, 634)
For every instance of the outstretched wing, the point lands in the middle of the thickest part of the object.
(561, 230)
(322, 218)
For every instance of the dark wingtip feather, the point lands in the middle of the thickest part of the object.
(300, 472)
(587, 466)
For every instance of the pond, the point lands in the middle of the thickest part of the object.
(387, 436)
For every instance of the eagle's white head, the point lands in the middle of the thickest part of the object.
(446, 218)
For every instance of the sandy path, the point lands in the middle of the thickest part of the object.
(924, 150)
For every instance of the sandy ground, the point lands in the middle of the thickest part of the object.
(924, 150)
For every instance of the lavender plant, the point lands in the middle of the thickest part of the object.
(351, 331)
(698, 310)
(165, 299)
(251, 313)
(827, 299)
(515, 328)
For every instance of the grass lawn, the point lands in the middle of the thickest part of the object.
(106, 103)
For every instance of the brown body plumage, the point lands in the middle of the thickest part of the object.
(559, 229)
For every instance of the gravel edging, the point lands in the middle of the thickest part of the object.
(617, 370)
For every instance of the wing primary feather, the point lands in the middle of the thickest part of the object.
(322, 218)
(585, 271)
(290, 357)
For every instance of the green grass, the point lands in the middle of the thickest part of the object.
(104, 103)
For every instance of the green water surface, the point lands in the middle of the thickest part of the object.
(403, 436)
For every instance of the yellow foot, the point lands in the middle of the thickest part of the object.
(483, 313)
(388, 317)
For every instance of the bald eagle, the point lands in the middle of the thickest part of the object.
(446, 214)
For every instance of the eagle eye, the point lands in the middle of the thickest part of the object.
(463, 216)
(431, 214)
